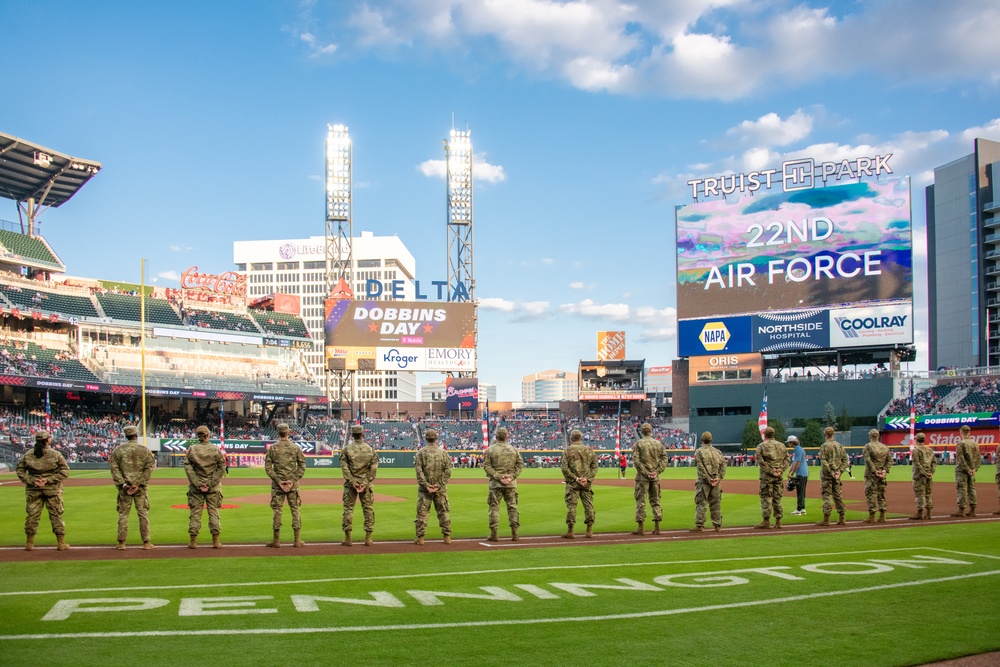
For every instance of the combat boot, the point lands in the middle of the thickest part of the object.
(590, 530)
(298, 542)
(29, 544)
(870, 519)
(842, 521)
(997, 513)
(927, 513)
(493, 536)
(193, 544)
(569, 535)
(447, 539)
(513, 534)
(777, 524)
(147, 545)
(216, 544)
(347, 539)
(881, 517)
(825, 521)
(960, 512)
(656, 528)
(717, 527)
(121, 545)
(368, 538)
(972, 510)
(640, 528)
(919, 516)
(419, 540)
(276, 542)
(763, 525)
(61, 543)
(697, 529)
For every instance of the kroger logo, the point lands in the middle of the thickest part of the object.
(393, 356)
(287, 251)
(852, 327)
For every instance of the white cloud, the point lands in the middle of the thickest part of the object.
(576, 285)
(481, 169)
(169, 275)
(589, 309)
(317, 49)
(179, 248)
(520, 311)
(771, 130)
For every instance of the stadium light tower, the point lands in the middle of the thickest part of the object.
(461, 238)
(339, 256)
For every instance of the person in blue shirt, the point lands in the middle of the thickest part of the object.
(800, 470)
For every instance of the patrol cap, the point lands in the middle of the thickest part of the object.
(575, 435)
(357, 430)
(284, 429)
(921, 437)
(41, 436)
(873, 433)
(131, 430)
(646, 428)
(792, 438)
(501, 433)
(430, 435)
(202, 430)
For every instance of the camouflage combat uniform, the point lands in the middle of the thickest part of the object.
(285, 462)
(359, 463)
(833, 460)
(772, 459)
(205, 466)
(711, 467)
(433, 468)
(132, 464)
(579, 460)
(924, 465)
(877, 458)
(502, 459)
(52, 467)
(648, 456)
(967, 462)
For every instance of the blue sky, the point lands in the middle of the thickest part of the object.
(587, 120)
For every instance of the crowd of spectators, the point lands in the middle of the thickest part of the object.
(980, 395)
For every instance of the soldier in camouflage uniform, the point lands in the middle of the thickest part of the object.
(131, 467)
(42, 471)
(433, 469)
(285, 464)
(878, 461)
(205, 465)
(833, 463)
(502, 465)
(967, 462)
(650, 459)
(924, 465)
(996, 460)
(359, 463)
(579, 468)
(772, 460)
(708, 487)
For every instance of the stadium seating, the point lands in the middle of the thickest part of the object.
(280, 324)
(27, 298)
(126, 307)
(220, 320)
(28, 247)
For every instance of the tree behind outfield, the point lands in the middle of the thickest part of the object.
(812, 436)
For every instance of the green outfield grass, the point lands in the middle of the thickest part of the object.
(91, 514)
(894, 597)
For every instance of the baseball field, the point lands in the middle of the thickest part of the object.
(904, 593)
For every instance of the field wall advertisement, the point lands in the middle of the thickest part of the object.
(400, 335)
(796, 270)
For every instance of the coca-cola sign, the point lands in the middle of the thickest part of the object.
(229, 283)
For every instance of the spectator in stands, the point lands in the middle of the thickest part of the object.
(42, 470)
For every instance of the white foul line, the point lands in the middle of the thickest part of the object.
(504, 622)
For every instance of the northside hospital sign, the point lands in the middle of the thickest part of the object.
(798, 268)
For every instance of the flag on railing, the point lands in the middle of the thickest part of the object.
(762, 419)
(486, 425)
(48, 412)
(222, 437)
(913, 418)
(618, 432)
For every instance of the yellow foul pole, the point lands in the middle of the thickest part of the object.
(142, 344)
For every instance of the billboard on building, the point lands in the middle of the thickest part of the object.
(612, 380)
(400, 335)
(727, 369)
(793, 260)
(461, 394)
(610, 345)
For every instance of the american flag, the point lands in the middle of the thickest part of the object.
(486, 425)
(913, 418)
(222, 437)
(48, 412)
(762, 419)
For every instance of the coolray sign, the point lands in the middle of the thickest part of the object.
(461, 599)
(800, 174)
(880, 325)
(795, 251)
